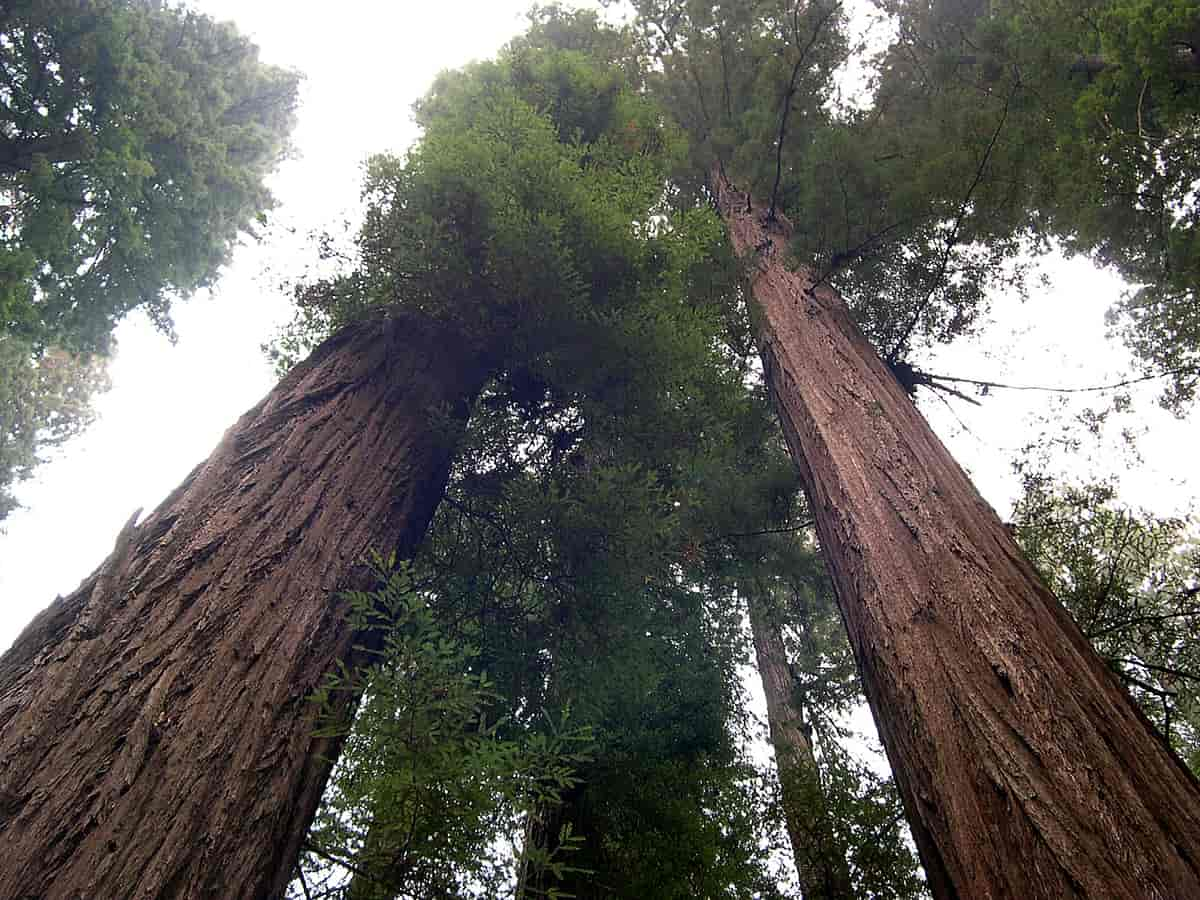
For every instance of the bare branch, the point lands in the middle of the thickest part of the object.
(1065, 390)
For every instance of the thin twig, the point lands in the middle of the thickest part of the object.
(303, 882)
(1164, 693)
(744, 534)
(949, 390)
(1141, 100)
(838, 259)
(339, 861)
(1153, 667)
(1064, 390)
(1094, 633)
(961, 423)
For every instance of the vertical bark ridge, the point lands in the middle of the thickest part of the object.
(156, 729)
(1025, 769)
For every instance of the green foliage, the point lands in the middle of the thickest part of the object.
(995, 128)
(869, 820)
(882, 206)
(1100, 103)
(134, 140)
(559, 562)
(135, 137)
(427, 778)
(526, 214)
(45, 399)
(567, 553)
(567, 538)
(1130, 580)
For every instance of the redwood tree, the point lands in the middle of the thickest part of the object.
(1025, 768)
(820, 862)
(157, 734)
(157, 724)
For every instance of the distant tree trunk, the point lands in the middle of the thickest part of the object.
(1025, 769)
(382, 866)
(820, 861)
(543, 828)
(156, 736)
(18, 155)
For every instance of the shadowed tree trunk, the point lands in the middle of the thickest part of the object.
(820, 861)
(156, 736)
(18, 155)
(1025, 769)
(543, 831)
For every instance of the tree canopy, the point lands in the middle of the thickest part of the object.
(135, 138)
(1083, 115)
(1129, 579)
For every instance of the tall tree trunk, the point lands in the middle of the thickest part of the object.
(1025, 769)
(820, 861)
(156, 736)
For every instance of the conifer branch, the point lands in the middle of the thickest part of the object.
(952, 240)
(790, 529)
(838, 259)
(791, 92)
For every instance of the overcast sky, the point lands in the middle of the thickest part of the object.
(365, 63)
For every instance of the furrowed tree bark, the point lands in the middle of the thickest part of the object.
(820, 860)
(156, 736)
(1025, 769)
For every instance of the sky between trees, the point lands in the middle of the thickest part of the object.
(364, 67)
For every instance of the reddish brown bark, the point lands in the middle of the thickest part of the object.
(820, 861)
(155, 727)
(1025, 769)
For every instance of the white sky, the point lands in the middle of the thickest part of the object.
(365, 64)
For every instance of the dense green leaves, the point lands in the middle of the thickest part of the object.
(561, 561)
(135, 137)
(881, 207)
(1100, 102)
(569, 550)
(526, 214)
(429, 780)
(134, 140)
